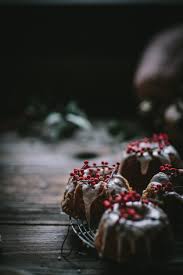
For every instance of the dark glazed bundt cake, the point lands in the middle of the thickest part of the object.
(166, 188)
(142, 158)
(131, 230)
(88, 187)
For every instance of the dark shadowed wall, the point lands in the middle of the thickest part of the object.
(87, 53)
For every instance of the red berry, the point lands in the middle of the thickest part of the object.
(125, 215)
(131, 211)
(137, 196)
(106, 204)
(125, 199)
(93, 182)
(145, 201)
(110, 198)
(117, 199)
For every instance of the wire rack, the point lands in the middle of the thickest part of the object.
(83, 231)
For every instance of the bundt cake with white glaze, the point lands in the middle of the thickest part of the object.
(88, 187)
(166, 189)
(132, 230)
(141, 159)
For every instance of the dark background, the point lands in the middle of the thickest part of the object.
(88, 53)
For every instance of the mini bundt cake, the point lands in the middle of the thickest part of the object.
(88, 187)
(141, 159)
(165, 188)
(133, 230)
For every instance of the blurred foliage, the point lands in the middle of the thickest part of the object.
(52, 125)
(125, 129)
(56, 124)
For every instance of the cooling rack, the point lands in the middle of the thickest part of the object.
(83, 231)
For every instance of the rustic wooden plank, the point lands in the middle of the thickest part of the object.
(31, 198)
(32, 214)
(33, 176)
(36, 249)
(32, 239)
(15, 150)
(32, 188)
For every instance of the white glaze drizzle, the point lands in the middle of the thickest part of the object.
(70, 186)
(132, 230)
(117, 183)
(89, 195)
(146, 157)
(160, 178)
(144, 162)
(107, 223)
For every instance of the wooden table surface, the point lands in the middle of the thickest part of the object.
(32, 181)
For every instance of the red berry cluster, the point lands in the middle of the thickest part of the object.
(162, 187)
(135, 146)
(122, 198)
(169, 170)
(161, 137)
(125, 197)
(95, 173)
(128, 212)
